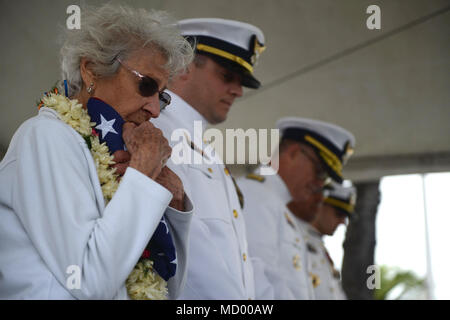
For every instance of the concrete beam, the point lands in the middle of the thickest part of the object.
(366, 169)
(374, 168)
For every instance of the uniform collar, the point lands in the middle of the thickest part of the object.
(185, 114)
(314, 232)
(279, 188)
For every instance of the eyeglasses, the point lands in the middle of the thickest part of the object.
(321, 173)
(148, 87)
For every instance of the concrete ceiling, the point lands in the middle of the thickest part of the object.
(390, 87)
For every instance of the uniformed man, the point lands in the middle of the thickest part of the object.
(338, 206)
(310, 152)
(220, 266)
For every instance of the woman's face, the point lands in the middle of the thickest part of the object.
(121, 91)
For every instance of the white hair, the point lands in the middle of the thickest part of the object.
(114, 31)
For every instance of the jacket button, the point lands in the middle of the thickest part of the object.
(244, 256)
(296, 262)
(226, 171)
(235, 214)
(210, 170)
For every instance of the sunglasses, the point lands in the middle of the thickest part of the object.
(148, 87)
(321, 173)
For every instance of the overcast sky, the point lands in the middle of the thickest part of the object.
(400, 228)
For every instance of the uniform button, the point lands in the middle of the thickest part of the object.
(314, 279)
(235, 214)
(297, 240)
(296, 262)
(226, 171)
(244, 256)
(210, 170)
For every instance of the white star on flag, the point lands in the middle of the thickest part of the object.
(174, 261)
(106, 126)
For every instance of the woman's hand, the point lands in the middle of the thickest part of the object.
(148, 148)
(122, 159)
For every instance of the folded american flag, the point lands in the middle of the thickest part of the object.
(160, 249)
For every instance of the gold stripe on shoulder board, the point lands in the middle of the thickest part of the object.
(256, 177)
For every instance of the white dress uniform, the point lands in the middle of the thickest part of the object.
(325, 278)
(328, 284)
(274, 237)
(219, 266)
(53, 216)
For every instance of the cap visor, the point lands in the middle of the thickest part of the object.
(247, 78)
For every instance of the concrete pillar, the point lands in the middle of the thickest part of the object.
(359, 244)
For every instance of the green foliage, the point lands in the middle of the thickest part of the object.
(405, 282)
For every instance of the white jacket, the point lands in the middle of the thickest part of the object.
(53, 217)
(326, 284)
(273, 236)
(219, 264)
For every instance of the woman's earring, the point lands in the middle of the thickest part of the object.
(90, 89)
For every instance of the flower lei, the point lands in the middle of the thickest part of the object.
(143, 283)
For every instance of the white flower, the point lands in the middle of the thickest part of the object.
(145, 284)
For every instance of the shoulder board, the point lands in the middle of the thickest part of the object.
(256, 177)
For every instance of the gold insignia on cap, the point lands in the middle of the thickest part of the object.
(257, 50)
(348, 152)
(314, 279)
(353, 199)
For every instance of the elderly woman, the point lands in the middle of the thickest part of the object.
(73, 223)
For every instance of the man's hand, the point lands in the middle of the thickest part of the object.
(172, 182)
(148, 148)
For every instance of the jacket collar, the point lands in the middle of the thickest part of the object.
(277, 185)
(185, 116)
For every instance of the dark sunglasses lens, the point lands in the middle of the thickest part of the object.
(147, 87)
(164, 100)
